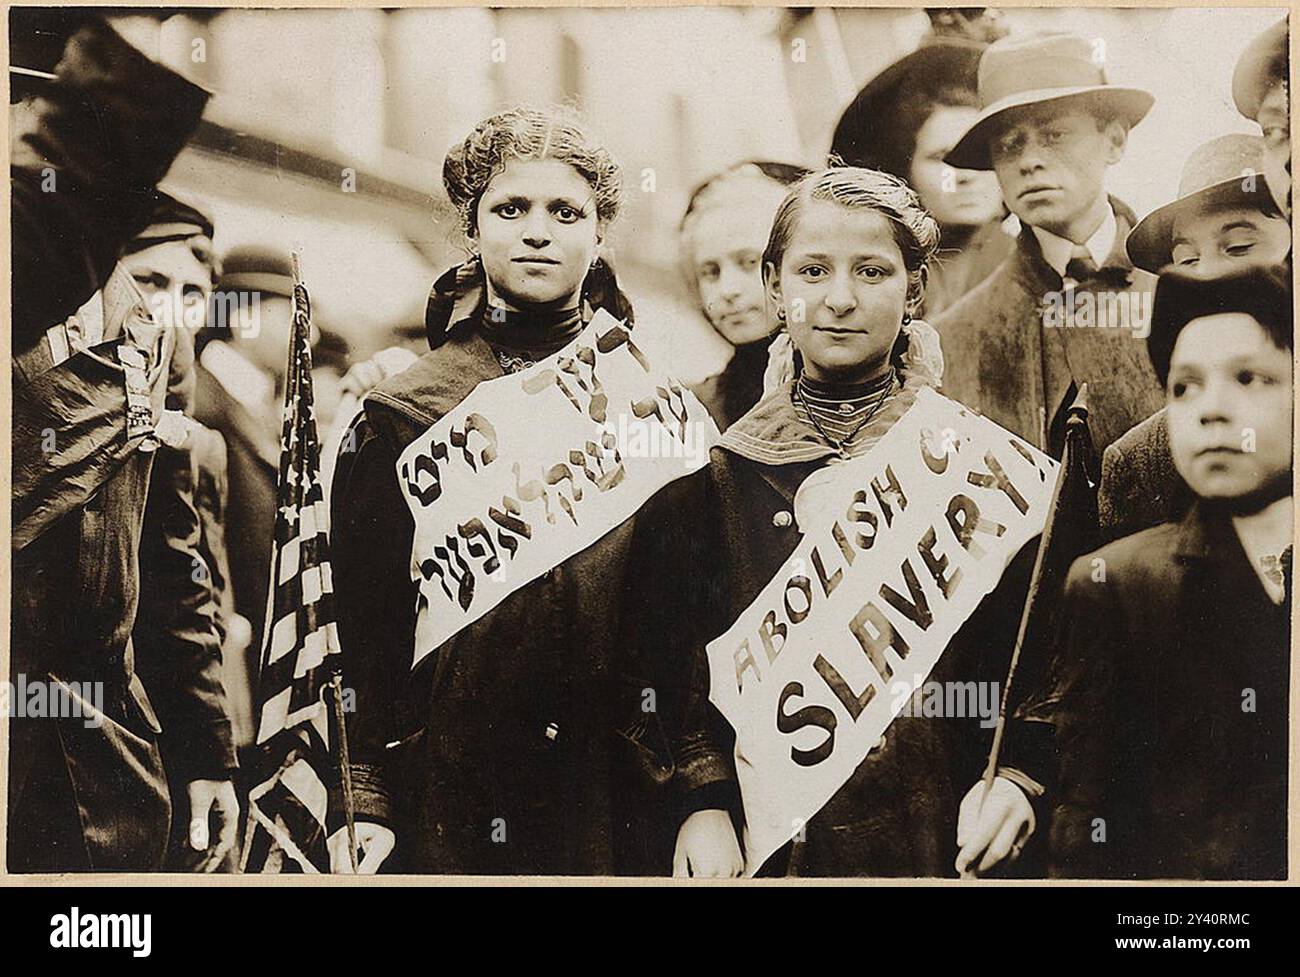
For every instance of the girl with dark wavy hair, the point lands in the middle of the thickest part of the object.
(520, 745)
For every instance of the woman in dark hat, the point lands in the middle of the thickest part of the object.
(904, 122)
(723, 233)
(520, 745)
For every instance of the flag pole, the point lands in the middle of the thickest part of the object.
(336, 680)
(1077, 415)
(289, 393)
(345, 768)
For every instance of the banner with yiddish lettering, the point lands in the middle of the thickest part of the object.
(899, 547)
(534, 467)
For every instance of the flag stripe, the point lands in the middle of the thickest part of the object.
(298, 758)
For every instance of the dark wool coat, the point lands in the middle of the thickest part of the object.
(528, 725)
(729, 394)
(734, 528)
(1001, 360)
(1148, 698)
(91, 797)
(1140, 487)
(252, 467)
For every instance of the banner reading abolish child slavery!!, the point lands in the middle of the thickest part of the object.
(534, 467)
(904, 544)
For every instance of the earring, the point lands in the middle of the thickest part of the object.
(907, 318)
(780, 313)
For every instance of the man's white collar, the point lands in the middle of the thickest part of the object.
(1057, 250)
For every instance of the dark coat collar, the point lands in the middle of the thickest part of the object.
(1033, 267)
(433, 385)
(1207, 540)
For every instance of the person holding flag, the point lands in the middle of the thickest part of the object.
(845, 269)
(526, 741)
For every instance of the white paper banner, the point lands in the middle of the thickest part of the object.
(534, 467)
(900, 546)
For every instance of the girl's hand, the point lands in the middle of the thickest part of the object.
(996, 829)
(375, 841)
(364, 376)
(707, 847)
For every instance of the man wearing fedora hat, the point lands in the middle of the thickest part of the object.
(1224, 214)
(1223, 219)
(1050, 126)
(1259, 89)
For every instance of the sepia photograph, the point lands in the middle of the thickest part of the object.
(647, 445)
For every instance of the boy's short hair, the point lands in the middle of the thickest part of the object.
(1259, 291)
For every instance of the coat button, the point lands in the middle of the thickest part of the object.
(782, 519)
(552, 732)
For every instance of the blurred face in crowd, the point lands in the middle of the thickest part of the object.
(1051, 163)
(1229, 409)
(537, 232)
(955, 198)
(1214, 240)
(175, 279)
(1275, 121)
(260, 330)
(725, 245)
(843, 285)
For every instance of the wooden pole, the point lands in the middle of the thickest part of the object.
(345, 768)
(1077, 415)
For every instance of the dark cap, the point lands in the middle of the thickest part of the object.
(171, 220)
(1259, 291)
(253, 268)
(867, 133)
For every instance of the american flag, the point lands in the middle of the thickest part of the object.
(299, 750)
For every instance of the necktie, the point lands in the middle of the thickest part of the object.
(1080, 267)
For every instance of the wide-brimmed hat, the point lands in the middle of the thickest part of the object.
(867, 132)
(1260, 66)
(1224, 172)
(1046, 67)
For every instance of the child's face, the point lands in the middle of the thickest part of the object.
(956, 198)
(1215, 240)
(538, 232)
(726, 249)
(1229, 408)
(843, 286)
(1051, 165)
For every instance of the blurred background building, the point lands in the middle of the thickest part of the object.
(329, 127)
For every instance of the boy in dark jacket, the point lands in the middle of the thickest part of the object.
(1170, 689)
